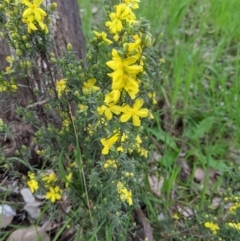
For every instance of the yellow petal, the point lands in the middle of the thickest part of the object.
(125, 117)
(37, 2)
(134, 69)
(138, 104)
(136, 120)
(105, 150)
(108, 114)
(41, 12)
(32, 26)
(116, 109)
(143, 113)
(101, 109)
(38, 16)
(42, 25)
(112, 64)
(27, 12)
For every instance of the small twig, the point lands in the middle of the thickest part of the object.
(141, 219)
(3, 181)
(83, 174)
(159, 147)
(37, 104)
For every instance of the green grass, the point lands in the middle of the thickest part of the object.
(200, 83)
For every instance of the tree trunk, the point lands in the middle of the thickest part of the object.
(4, 51)
(66, 29)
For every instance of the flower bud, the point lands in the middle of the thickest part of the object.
(70, 66)
(28, 45)
(68, 73)
(53, 60)
(24, 37)
(69, 47)
(147, 40)
(73, 72)
(24, 147)
(53, 6)
(19, 52)
(120, 53)
(27, 64)
(22, 64)
(95, 67)
(14, 35)
(48, 21)
(125, 48)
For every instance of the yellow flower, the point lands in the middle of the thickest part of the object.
(212, 226)
(68, 179)
(34, 10)
(61, 86)
(49, 178)
(8, 86)
(112, 97)
(143, 152)
(175, 216)
(152, 95)
(234, 225)
(54, 194)
(127, 82)
(89, 87)
(34, 14)
(122, 66)
(82, 107)
(110, 163)
(123, 12)
(103, 36)
(109, 109)
(134, 112)
(109, 142)
(125, 195)
(33, 185)
(31, 175)
(132, 3)
(235, 206)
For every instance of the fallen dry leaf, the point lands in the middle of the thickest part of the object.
(50, 225)
(27, 195)
(199, 175)
(145, 232)
(216, 201)
(32, 206)
(185, 211)
(33, 209)
(32, 233)
(156, 184)
(6, 215)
